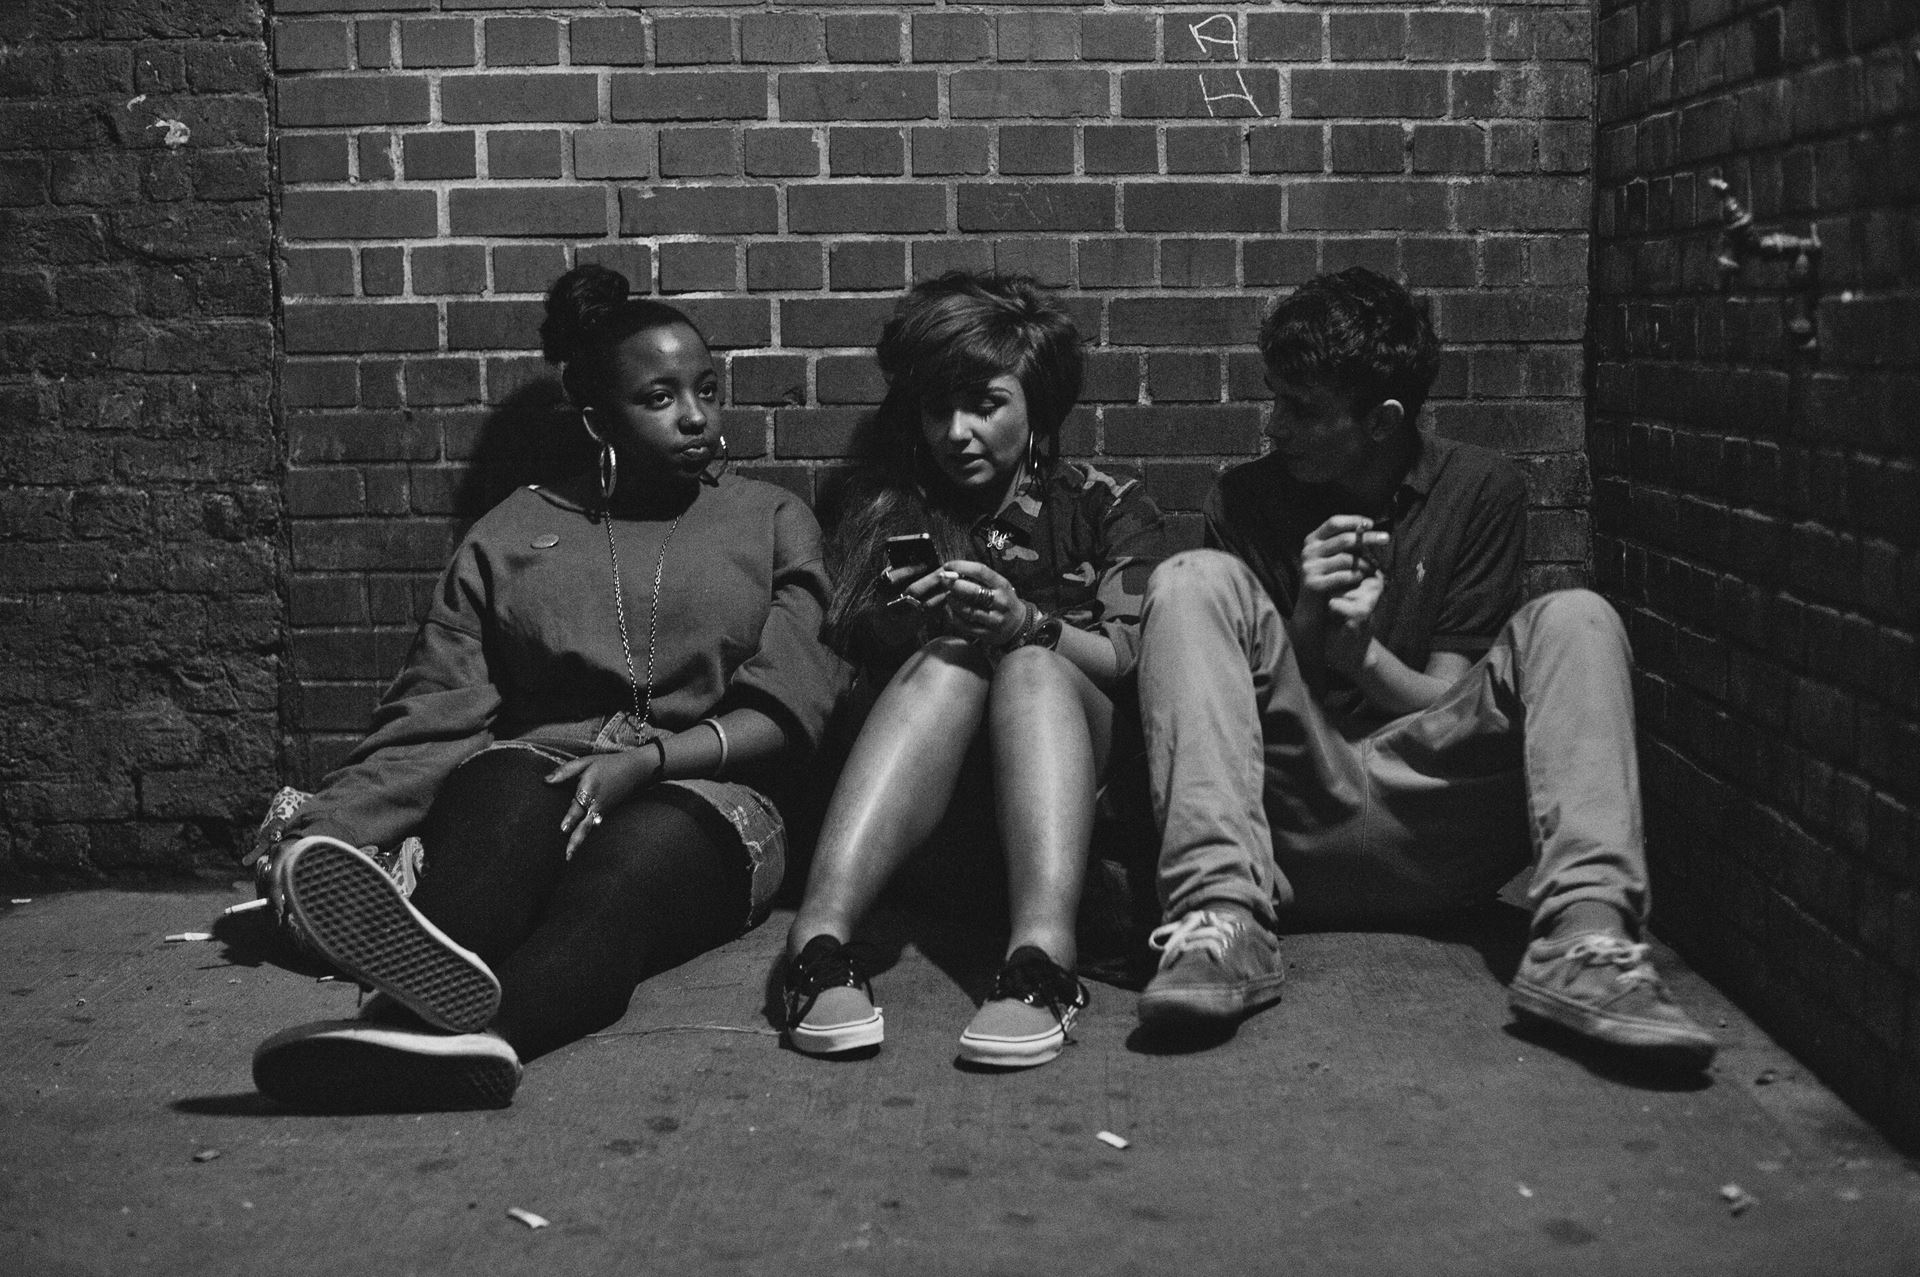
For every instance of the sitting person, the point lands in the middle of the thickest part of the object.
(589, 737)
(1347, 718)
(990, 590)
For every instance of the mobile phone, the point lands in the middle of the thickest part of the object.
(914, 550)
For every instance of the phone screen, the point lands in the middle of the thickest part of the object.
(914, 550)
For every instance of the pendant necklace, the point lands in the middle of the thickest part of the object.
(642, 707)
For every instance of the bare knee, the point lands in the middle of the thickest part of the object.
(1027, 669)
(941, 661)
(944, 675)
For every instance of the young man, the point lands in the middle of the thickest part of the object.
(1349, 715)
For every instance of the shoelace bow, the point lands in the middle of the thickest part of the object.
(1605, 951)
(1034, 981)
(1202, 929)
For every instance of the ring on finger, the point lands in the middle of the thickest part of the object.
(581, 799)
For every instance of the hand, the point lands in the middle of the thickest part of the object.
(269, 879)
(604, 781)
(981, 604)
(1351, 632)
(914, 589)
(1339, 554)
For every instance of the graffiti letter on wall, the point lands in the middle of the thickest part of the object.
(1221, 32)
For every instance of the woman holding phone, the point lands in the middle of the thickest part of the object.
(990, 591)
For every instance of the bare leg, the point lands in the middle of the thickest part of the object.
(1052, 730)
(896, 786)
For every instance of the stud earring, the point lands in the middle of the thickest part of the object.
(712, 479)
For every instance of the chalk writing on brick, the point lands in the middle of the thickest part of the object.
(1216, 35)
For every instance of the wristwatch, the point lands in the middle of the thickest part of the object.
(1046, 634)
(1040, 630)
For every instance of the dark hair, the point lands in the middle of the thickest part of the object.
(1359, 333)
(589, 313)
(947, 336)
(952, 335)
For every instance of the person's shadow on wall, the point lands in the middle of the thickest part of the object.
(532, 436)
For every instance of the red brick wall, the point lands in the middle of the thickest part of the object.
(1757, 512)
(784, 172)
(140, 614)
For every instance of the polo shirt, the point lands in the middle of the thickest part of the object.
(1458, 521)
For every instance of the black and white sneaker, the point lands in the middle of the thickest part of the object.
(356, 1066)
(357, 919)
(1026, 1020)
(829, 1001)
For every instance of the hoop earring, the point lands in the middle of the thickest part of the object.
(1033, 460)
(712, 480)
(609, 472)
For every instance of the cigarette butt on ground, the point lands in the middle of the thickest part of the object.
(1108, 1137)
(182, 937)
(527, 1217)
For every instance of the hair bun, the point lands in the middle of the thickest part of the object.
(579, 302)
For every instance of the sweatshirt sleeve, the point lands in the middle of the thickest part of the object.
(793, 676)
(437, 713)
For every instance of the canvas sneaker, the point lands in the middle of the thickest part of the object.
(358, 1066)
(1603, 987)
(1216, 967)
(355, 916)
(829, 1000)
(1029, 1014)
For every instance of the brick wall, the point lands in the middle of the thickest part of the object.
(140, 618)
(782, 172)
(1757, 506)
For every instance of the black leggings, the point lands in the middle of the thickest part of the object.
(662, 880)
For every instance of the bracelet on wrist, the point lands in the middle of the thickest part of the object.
(720, 732)
(1031, 625)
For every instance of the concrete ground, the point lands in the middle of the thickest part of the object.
(1385, 1118)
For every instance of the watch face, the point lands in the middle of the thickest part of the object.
(1048, 633)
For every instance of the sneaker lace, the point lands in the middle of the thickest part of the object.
(1203, 929)
(844, 966)
(1606, 950)
(1030, 976)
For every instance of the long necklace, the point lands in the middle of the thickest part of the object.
(642, 708)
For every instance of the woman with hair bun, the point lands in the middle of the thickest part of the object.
(990, 591)
(588, 737)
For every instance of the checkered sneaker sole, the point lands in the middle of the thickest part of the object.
(357, 918)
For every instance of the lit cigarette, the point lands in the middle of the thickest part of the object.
(245, 906)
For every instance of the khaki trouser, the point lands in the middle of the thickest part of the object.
(1266, 801)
